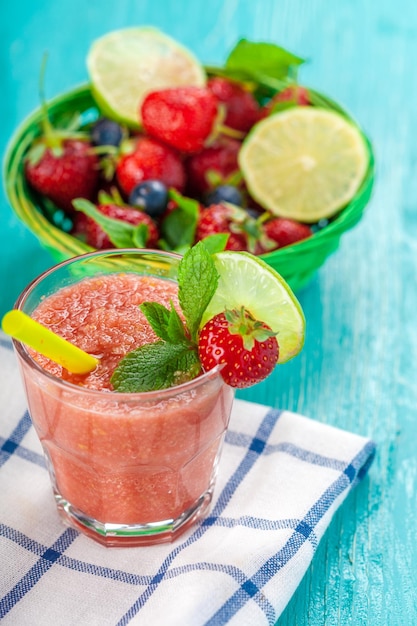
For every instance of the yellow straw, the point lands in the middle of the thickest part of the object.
(22, 327)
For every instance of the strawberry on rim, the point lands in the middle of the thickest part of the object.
(246, 348)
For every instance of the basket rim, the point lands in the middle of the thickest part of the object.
(52, 236)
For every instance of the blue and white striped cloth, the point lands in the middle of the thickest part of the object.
(282, 477)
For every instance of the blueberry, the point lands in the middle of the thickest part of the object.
(224, 193)
(151, 196)
(106, 132)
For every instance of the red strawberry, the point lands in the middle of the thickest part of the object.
(219, 218)
(247, 348)
(284, 231)
(182, 117)
(293, 93)
(242, 110)
(97, 238)
(219, 159)
(148, 159)
(62, 169)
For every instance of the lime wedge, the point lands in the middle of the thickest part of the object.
(304, 163)
(246, 280)
(125, 65)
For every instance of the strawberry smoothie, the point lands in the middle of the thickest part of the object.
(126, 468)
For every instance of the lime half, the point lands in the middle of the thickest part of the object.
(125, 65)
(304, 163)
(248, 281)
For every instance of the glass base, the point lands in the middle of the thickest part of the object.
(124, 536)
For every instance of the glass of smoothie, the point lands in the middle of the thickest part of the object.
(127, 469)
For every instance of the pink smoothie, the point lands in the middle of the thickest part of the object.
(124, 459)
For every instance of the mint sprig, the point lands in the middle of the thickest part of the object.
(172, 359)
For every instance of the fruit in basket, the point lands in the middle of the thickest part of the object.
(62, 169)
(304, 163)
(242, 110)
(285, 232)
(224, 218)
(295, 95)
(182, 117)
(229, 151)
(212, 166)
(151, 196)
(224, 193)
(106, 132)
(144, 158)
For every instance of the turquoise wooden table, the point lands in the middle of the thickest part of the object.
(359, 365)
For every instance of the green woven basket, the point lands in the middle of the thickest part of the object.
(296, 263)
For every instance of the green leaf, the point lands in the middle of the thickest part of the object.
(155, 366)
(197, 279)
(157, 316)
(178, 228)
(121, 234)
(166, 323)
(140, 235)
(216, 243)
(258, 58)
(176, 330)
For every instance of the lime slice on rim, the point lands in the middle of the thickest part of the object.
(304, 163)
(248, 281)
(124, 65)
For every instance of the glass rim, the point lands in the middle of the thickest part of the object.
(23, 352)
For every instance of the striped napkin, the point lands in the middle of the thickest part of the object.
(281, 479)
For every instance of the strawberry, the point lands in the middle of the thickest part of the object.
(284, 232)
(247, 348)
(221, 218)
(96, 237)
(182, 117)
(62, 169)
(245, 227)
(293, 93)
(242, 109)
(216, 161)
(147, 159)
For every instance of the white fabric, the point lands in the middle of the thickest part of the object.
(281, 478)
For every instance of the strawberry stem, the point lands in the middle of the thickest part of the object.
(52, 140)
(242, 323)
(230, 132)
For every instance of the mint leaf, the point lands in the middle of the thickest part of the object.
(178, 228)
(166, 323)
(155, 366)
(121, 234)
(216, 243)
(197, 282)
(264, 59)
(157, 316)
(176, 329)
